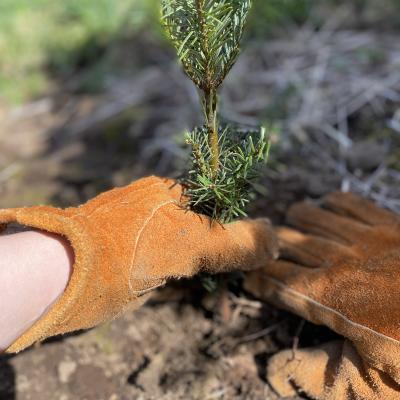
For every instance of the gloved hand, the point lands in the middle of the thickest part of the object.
(343, 271)
(131, 240)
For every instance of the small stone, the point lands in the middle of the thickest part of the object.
(65, 370)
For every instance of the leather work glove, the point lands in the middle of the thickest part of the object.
(341, 268)
(130, 240)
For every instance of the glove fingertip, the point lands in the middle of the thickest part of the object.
(271, 239)
(279, 370)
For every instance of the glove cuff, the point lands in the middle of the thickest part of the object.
(61, 315)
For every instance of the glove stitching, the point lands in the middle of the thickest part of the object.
(343, 317)
(140, 293)
(145, 223)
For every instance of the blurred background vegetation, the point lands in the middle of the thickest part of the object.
(44, 40)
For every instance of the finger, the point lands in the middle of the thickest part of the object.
(149, 189)
(312, 219)
(174, 188)
(351, 205)
(308, 371)
(285, 271)
(242, 245)
(310, 251)
(266, 283)
(181, 243)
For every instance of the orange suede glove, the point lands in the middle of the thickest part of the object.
(131, 240)
(342, 272)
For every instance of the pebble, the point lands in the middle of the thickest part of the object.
(65, 370)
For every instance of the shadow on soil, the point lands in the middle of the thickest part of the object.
(7, 379)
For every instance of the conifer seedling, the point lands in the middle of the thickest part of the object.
(225, 158)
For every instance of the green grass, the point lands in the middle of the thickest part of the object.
(39, 38)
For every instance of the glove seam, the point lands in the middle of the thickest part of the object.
(139, 235)
(342, 316)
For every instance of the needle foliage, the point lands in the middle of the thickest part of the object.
(224, 196)
(225, 159)
(206, 35)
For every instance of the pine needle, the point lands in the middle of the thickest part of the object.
(243, 154)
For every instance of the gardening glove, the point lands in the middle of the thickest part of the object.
(129, 241)
(343, 271)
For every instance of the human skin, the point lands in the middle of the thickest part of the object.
(35, 268)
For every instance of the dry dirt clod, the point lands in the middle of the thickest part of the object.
(65, 370)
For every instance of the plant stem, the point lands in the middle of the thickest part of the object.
(210, 111)
(210, 93)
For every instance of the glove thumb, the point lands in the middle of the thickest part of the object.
(290, 372)
(333, 371)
